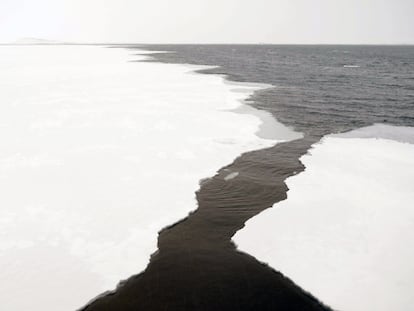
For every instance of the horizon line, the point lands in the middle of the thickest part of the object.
(205, 43)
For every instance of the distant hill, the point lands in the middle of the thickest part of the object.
(34, 41)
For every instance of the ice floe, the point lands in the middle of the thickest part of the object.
(345, 231)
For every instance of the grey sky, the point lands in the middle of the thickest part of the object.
(210, 21)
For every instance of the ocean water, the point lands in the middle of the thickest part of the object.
(317, 89)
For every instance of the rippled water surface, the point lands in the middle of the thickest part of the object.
(318, 89)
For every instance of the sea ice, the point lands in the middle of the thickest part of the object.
(345, 231)
(98, 153)
(231, 176)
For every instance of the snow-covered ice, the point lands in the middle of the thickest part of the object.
(402, 134)
(97, 154)
(345, 231)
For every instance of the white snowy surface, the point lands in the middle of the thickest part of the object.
(97, 154)
(404, 134)
(346, 230)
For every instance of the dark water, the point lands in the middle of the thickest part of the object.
(197, 266)
(313, 91)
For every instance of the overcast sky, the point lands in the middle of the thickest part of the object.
(210, 21)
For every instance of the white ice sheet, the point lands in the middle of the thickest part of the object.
(97, 154)
(345, 231)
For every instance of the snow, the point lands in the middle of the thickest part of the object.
(98, 153)
(402, 134)
(345, 231)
